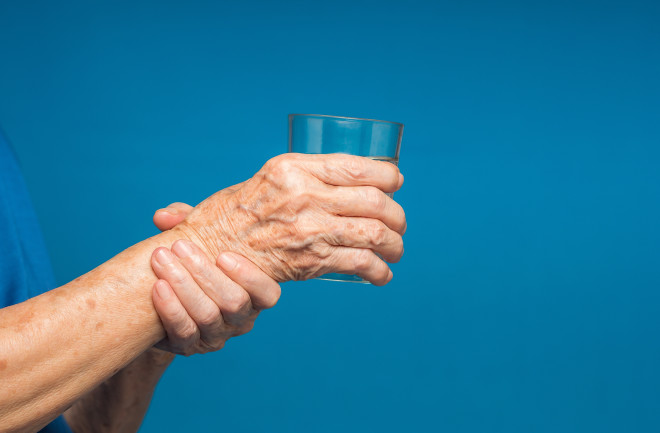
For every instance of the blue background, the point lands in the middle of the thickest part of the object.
(528, 298)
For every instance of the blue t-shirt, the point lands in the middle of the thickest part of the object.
(25, 270)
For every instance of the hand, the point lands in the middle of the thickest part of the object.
(302, 216)
(200, 306)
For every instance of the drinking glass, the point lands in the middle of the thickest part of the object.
(317, 133)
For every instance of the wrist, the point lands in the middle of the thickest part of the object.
(213, 225)
(204, 237)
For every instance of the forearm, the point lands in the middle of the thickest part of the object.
(57, 347)
(120, 403)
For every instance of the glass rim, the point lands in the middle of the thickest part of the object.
(345, 118)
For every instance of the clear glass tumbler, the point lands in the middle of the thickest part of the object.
(374, 139)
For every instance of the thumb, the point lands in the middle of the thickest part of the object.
(172, 215)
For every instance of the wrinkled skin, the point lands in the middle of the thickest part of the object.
(301, 216)
(200, 303)
(203, 305)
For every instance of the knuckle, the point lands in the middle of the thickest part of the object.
(237, 302)
(285, 165)
(175, 276)
(176, 314)
(354, 167)
(281, 162)
(280, 170)
(197, 261)
(188, 332)
(375, 198)
(177, 280)
(302, 198)
(209, 317)
(272, 162)
(362, 260)
(201, 269)
(232, 306)
(379, 234)
(175, 319)
(335, 232)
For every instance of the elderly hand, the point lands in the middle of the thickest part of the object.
(201, 306)
(302, 216)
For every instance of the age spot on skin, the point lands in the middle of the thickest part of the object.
(91, 303)
(3, 364)
(99, 325)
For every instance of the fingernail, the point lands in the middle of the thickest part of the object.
(169, 210)
(162, 290)
(163, 257)
(227, 262)
(182, 249)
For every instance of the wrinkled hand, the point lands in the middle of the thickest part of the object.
(201, 306)
(301, 216)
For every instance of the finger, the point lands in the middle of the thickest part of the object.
(234, 302)
(182, 332)
(172, 215)
(361, 262)
(199, 306)
(365, 233)
(181, 207)
(263, 290)
(165, 220)
(349, 170)
(346, 170)
(365, 201)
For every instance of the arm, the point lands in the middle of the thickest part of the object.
(58, 346)
(288, 220)
(120, 403)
